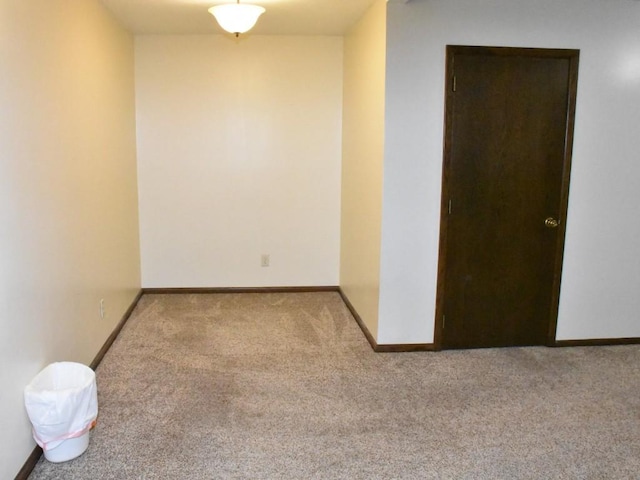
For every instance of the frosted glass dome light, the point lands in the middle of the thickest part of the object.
(237, 18)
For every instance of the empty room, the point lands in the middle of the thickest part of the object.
(363, 239)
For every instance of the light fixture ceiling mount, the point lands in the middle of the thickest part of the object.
(237, 18)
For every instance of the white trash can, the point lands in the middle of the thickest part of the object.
(62, 404)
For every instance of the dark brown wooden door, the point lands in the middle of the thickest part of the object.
(509, 124)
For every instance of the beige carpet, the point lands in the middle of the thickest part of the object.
(285, 386)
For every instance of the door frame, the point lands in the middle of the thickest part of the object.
(451, 50)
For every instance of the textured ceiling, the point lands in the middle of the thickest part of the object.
(283, 17)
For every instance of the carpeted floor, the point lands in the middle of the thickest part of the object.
(285, 386)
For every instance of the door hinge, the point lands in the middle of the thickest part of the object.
(449, 208)
(454, 83)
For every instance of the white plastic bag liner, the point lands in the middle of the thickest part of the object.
(62, 403)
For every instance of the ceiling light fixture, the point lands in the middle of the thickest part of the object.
(237, 18)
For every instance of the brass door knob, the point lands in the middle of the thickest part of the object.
(551, 222)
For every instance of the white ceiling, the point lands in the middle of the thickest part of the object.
(283, 17)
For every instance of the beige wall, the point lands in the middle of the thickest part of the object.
(239, 155)
(362, 163)
(68, 202)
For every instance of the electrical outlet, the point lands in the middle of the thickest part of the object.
(102, 311)
(264, 260)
